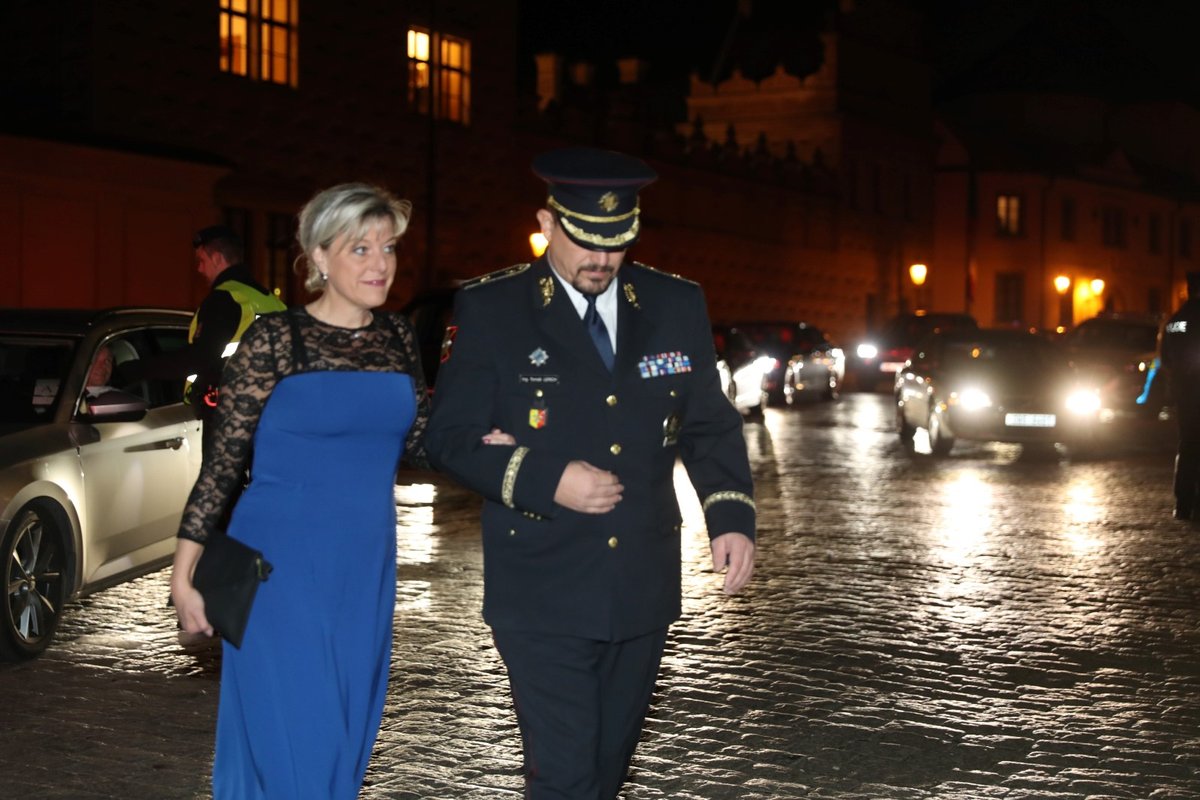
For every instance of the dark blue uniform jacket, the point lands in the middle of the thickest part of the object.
(521, 360)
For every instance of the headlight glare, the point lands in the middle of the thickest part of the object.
(973, 399)
(1083, 401)
(867, 350)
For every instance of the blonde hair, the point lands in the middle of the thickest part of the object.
(348, 208)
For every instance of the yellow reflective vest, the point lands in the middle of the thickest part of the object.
(253, 304)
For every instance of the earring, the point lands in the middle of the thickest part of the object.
(325, 277)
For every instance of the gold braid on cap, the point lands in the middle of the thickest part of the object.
(598, 240)
(561, 209)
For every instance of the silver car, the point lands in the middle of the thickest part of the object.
(94, 468)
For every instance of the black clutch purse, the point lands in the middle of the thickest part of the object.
(227, 577)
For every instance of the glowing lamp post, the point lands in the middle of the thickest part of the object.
(918, 273)
(537, 243)
(1062, 285)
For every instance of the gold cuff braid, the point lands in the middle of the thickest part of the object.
(738, 497)
(510, 476)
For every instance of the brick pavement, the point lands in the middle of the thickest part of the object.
(992, 625)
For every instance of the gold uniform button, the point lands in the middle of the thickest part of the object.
(674, 393)
(612, 542)
(615, 449)
(538, 393)
(512, 532)
(611, 399)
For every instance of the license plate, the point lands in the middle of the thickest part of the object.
(1030, 420)
(891, 366)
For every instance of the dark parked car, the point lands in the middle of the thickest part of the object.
(94, 469)
(429, 313)
(742, 370)
(794, 357)
(993, 385)
(881, 356)
(1116, 352)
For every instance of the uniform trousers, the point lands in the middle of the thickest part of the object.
(580, 704)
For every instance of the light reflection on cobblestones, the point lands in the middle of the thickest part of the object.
(997, 624)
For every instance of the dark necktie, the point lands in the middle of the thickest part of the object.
(598, 331)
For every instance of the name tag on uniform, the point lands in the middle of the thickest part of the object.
(664, 364)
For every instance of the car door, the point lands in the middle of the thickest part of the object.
(136, 474)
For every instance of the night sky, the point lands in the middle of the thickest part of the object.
(1138, 44)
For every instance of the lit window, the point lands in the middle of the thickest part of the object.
(260, 39)
(439, 75)
(1009, 215)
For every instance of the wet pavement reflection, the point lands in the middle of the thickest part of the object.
(999, 623)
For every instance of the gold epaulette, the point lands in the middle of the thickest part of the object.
(492, 277)
(665, 274)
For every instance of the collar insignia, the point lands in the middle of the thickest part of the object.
(539, 357)
(631, 295)
(546, 283)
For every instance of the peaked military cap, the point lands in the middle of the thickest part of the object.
(594, 194)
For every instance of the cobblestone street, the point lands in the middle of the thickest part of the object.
(994, 624)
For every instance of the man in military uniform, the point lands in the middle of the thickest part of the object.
(603, 373)
(1181, 360)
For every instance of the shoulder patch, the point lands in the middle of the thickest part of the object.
(665, 274)
(498, 275)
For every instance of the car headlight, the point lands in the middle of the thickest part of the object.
(973, 399)
(1083, 401)
(867, 351)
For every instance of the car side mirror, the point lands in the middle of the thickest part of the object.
(113, 406)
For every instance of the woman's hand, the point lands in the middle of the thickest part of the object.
(498, 436)
(189, 604)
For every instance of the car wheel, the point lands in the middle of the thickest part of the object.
(905, 431)
(35, 583)
(940, 440)
(834, 388)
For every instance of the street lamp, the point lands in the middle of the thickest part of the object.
(917, 273)
(1097, 286)
(1062, 283)
(537, 243)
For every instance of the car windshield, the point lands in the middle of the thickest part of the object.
(1017, 355)
(32, 374)
(911, 329)
(783, 338)
(1112, 334)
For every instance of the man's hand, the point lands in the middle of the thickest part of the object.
(587, 489)
(735, 551)
(498, 436)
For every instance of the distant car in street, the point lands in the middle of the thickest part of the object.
(1116, 351)
(429, 313)
(94, 470)
(881, 356)
(742, 371)
(995, 386)
(794, 357)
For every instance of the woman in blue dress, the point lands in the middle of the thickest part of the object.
(328, 398)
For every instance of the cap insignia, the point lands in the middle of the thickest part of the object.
(608, 201)
(546, 283)
(631, 295)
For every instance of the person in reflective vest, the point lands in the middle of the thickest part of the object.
(233, 302)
